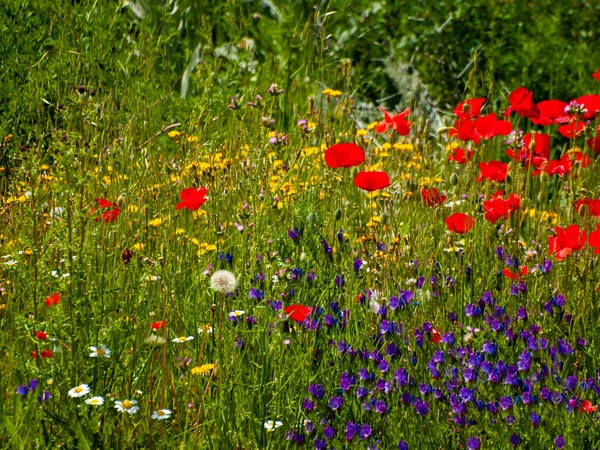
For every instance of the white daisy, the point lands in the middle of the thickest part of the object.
(102, 351)
(10, 263)
(235, 314)
(161, 414)
(95, 401)
(182, 339)
(128, 406)
(79, 391)
(205, 329)
(270, 425)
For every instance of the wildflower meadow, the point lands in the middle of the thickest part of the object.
(219, 231)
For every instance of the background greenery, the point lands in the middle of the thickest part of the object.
(156, 52)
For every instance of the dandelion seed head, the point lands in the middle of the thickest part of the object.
(223, 281)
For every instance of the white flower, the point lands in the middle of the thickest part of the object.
(101, 351)
(128, 406)
(11, 263)
(95, 401)
(270, 425)
(54, 273)
(374, 305)
(223, 281)
(453, 204)
(161, 414)
(205, 329)
(235, 314)
(182, 339)
(79, 391)
(155, 340)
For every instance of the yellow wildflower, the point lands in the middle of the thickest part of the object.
(204, 369)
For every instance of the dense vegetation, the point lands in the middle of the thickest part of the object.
(213, 238)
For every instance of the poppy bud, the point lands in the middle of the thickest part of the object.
(384, 218)
(453, 179)
(126, 255)
(311, 218)
(508, 178)
(121, 200)
(338, 214)
(540, 197)
(302, 256)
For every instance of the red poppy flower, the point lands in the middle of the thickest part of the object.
(464, 130)
(344, 155)
(551, 111)
(496, 207)
(489, 126)
(596, 74)
(534, 144)
(298, 313)
(41, 335)
(521, 102)
(492, 171)
(110, 210)
(436, 337)
(594, 240)
(399, 123)
(591, 102)
(431, 197)
(103, 203)
(52, 299)
(46, 354)
(586, 406)
(460, 155)
(540, 143)
(592, 207)
(571, 130)
(594, 144)
(192, 198)
(459, 223)
(517, 275)
(158, 324)
(371, 181)
(566, 241)
(552, 167)
(469, 108)
(580, 158)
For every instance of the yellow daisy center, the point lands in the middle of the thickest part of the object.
(127, 404)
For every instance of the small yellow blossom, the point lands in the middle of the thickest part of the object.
(204, 369)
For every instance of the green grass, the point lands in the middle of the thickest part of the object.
(152, 118)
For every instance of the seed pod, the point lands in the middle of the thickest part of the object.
(338, 214)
